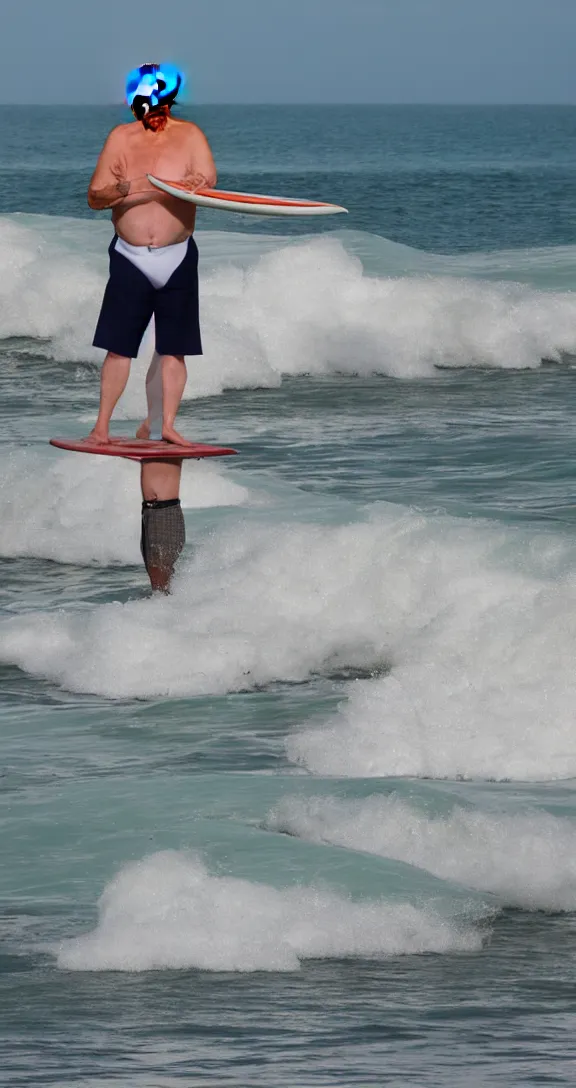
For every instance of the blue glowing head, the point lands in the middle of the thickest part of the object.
(151, 86)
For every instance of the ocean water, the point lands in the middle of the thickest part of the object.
(311, 820)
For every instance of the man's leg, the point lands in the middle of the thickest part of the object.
(173, 384)
(177, 335)
(127, 307)
(163, 531)
(152, 425)
(115, 372)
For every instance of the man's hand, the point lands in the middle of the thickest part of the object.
(109, 195)
(122, 184)
(141, 185)
(193, 180)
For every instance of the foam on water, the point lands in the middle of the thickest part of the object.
(464, 631)
(528, 860)
(298, 308)
(168, 911)
(62, 507)
(48, 287)
(476, 624)
(311, 309)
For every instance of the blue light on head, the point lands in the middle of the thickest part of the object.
(154, 84)
(173, 78)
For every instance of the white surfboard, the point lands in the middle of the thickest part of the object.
(246, 203)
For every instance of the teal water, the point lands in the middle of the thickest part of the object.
(311, 820)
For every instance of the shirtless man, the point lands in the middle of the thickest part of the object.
(153, 256)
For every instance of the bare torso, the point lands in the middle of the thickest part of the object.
(142, 215)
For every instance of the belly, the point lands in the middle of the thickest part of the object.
(155, 224)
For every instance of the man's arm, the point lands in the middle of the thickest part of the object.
(201, 171)
(109, 185)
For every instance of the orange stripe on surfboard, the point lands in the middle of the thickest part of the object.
(250, 198)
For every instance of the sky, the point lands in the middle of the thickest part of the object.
(313, 51)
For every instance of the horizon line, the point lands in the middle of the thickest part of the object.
(328, 105)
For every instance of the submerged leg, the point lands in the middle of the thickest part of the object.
(115, 373)
(163, 537)
(163, 530)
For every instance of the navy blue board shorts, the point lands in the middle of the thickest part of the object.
(130, 301)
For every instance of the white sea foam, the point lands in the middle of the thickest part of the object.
(481, 646)
(78, 509)
(302, 308)
(49, 289)
(168, 911)
(528, 859)
(309, 308)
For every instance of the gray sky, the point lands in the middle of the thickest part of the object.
(295, 50)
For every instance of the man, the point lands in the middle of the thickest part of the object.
(153, 256)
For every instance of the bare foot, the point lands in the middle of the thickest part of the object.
(170, 435)
(143, 430)
(101, 437)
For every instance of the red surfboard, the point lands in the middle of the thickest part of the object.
(246, 203)
(141, 449)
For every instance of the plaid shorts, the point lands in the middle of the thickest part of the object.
(163, 533)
